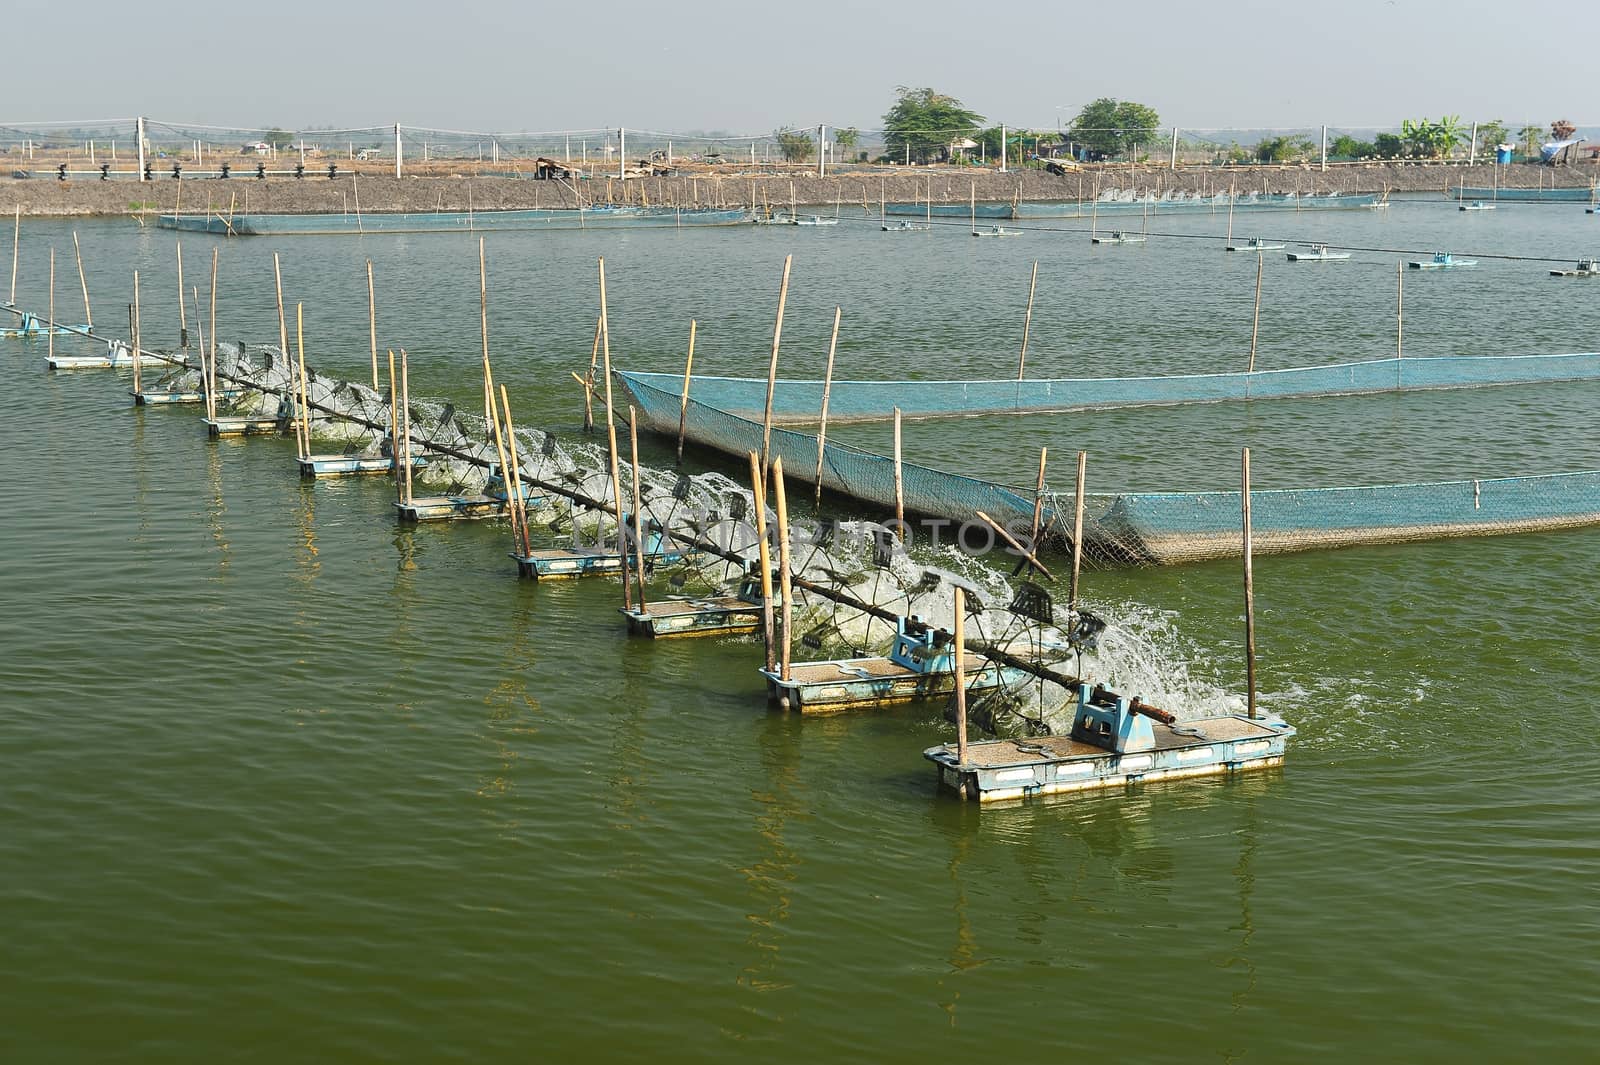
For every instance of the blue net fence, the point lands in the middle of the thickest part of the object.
(602, 216)
(800, 402)
(1153, 528)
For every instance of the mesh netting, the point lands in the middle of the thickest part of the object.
(1162, 527)
(800, 402)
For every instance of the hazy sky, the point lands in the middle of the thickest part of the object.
(495, 65)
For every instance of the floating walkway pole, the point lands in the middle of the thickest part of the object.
(506, 473)
(138, 335)
(519, 507)
(960, 627)
(827, 387)
(772, 364)
(394, 428)
(638, 505)
(1027, 320)
(302, 432)
(683, 404)
(16, 236)
(1399, 310)
(372, 319)
(405, 415)
(899, 484)
(611, 443)
(1249, 590)
(1255, 322)
(785, 589)
(759, 497)
(211, 330)
(1077, 534)
(183, 320)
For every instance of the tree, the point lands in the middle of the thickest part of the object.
(1492, 134)
(1282, 149)
(1345, 146)
(278, 138)
(1388, 146)
(846, 139)
(922, 123)
(1432, 140)
(795, 145)
(1110, 127)
(1561, 129)
(1528, 136)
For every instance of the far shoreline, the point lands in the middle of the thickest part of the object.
(774, 186)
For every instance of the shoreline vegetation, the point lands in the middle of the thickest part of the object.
(731, 186)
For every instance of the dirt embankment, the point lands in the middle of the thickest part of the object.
(244, 193)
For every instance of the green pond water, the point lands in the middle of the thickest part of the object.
(282, 780)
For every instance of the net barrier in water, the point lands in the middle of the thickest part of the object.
(1157, 528)
(601, 217)
(800, 401)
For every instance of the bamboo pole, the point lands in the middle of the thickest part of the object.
(372, 325)
(785, 589)
(960, 663)
(611, 443)
(588, 392)
(1230, 212)
(974, 208)
(1027, 320)
(302, 436)
(1399, 311)
(183, 320)
(500, 453)
(1249, 589)
(1255, 321)
(405, 420)
(394, 429)
(683, 404)
(16, 237)
(759, 497)
(283, 327)
(827, 387)
(1038, 501)
(211, 335)
(138, 335)
(519, 509)
(88, 316)
(1077, 533)
(205, 369)
(1029, 556)
(899, 484)
(772, 364)
(483, 321)
(50, 331)
(638, 503)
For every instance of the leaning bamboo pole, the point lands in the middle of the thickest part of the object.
(519, 509)
(88, 315)
(683, 404)
(785, 590)
(394, 430)
(772, 364)
(764, 559)
(588, 391)
(611, 443)
(827, 387)
(1027, 321)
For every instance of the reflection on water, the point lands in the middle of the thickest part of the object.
(771, 877)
